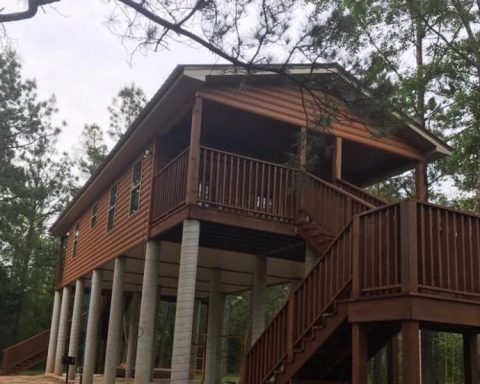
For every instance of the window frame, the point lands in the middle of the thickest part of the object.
(76, 236)
(112, 207)
(135, 188)
(94, 215)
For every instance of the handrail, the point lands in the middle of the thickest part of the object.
(363, 194)
(171, 162)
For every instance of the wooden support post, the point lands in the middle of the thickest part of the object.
(290, 325)
(470, 358)
(194, 153)
(411, 352)
(359, 354)
(408, 244)
(337, 160)
(421, 188)
(356, 267)
(392, 361)
(302, 150)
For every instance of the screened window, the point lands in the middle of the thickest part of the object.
(93, 217)
(112, 207)
(75, 240)
(135, 187)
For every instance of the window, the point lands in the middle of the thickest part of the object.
(75, 240)
(111, 208)
(135, 187)
(93, 217)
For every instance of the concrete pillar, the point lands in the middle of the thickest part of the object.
(132, 335)
(182, 337)
(76, 325)
(52, 342)
(144, 359)
(214, 324)
(62, 330)
(115, 322)
(258, 297)
(92, 327)
(310, 259)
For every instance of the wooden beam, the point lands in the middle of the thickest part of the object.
(470, 358)
(194, 153)
(392, 361)
(421, 184)
(411, 352)
(359, 354)
(337, 159)
(408, 245)
(302, 150)
(356, 265)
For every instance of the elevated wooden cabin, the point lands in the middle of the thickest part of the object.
(213, 191)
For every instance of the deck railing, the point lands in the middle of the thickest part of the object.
(331, 207)
(361, 193)
(242, 184)
(24, 351)
(169, 186)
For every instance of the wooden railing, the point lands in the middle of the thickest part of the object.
(23, 351)
(379, 251)
(169, 187)
(326, 282)
(448, 252)
(360, 193)
(245, 185)
(330, 206)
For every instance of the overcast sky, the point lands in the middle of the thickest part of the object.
(71, 53)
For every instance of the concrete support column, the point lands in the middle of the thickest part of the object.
(132, 335)
(115, 322)
(310, 259)
(52, 342)
(148, 306)
(92, 327)
(258, 297)
(182, 338)
(214, 324)
(76, 325)
(62, 330)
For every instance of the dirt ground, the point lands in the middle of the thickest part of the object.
(54, 380)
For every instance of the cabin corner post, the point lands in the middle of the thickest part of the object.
(359, 354)
(411, 352)
(409, 246)
(76, 325)
(115, 322)
(182, 337)
(52, 342)
(92, 327)
(356, 266)
(421, 184)
(337, 160)
(194, 153)
(470, 359)
(148, 305)
(214, 325)
(62, 330)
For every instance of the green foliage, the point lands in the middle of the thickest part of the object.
(125, 108)
(93, 150)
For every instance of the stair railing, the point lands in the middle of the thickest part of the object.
(361, 193)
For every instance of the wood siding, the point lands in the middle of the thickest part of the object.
(286, 104)
(95, 245)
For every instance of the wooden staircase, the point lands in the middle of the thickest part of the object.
(386, 266)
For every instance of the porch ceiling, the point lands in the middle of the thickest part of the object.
(236, 270)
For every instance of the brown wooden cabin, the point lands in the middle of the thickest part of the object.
(201, 199)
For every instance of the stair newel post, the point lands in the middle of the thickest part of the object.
(409, 246)
(194, 153)
(291, 327)
(356, 266)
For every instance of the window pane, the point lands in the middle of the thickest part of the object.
(111, 219)
(93, 221)
(113, 195)
(136, 172)
(134, 200)
(74, 251)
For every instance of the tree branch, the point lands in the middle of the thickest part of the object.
(30, 12)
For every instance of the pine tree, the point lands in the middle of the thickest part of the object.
(93, 150)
